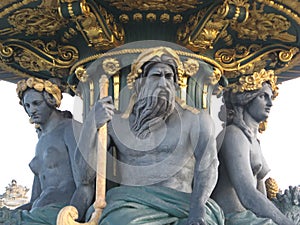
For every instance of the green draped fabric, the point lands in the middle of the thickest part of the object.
(153, 206)
(38, 216)
(246, 217)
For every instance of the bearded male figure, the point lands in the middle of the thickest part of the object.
(166, 151)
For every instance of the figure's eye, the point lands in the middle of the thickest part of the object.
(156, 74)
(36, 103)
(169, 76)
(26, 105)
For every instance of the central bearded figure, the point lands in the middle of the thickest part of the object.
(167, 157)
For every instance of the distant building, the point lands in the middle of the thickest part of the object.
(14, 196)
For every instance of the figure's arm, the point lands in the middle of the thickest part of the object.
(83, 173)
(86, 150)
(205, 171)
(236, 154)
(85, 156)
(35, 194)
(261, 176)
(261, 187)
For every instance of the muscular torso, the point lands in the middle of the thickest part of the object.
(165, 158)
(52, 166)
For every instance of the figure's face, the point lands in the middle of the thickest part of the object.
(160, 76)
(36, 107)
(259, 108)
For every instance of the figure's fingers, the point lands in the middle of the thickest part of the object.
(107, 99)
(110, 112)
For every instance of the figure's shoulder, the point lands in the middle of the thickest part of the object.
(234, 131)
(184, 108)
(71, 126)
(235, 137)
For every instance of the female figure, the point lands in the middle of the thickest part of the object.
(240, 190)
(58, 180)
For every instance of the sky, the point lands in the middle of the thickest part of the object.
(279, 143)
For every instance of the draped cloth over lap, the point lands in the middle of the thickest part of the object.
(153, 205)
(247, 217)
(38, 216)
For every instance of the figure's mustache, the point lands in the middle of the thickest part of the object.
(150, 108)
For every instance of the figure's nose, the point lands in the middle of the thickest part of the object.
(32, 110)
(269, 102)
(162, 81)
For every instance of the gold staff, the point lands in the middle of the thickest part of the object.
(69, 214)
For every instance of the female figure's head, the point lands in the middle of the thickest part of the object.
(251, 95)
(39, 98)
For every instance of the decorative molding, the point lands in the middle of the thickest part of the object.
(38, 56)
(13, 7)
(253, 58)
(40, 21)
(263, 26)
(153, 5)
(99, 29)
(111, 66)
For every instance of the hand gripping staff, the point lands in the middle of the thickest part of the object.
(69, 214)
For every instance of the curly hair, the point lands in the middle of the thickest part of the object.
(235, 105)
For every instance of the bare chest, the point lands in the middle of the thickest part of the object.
(256, 158)
(168, 140)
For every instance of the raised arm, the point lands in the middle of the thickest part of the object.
(205, 172)
(236, 153)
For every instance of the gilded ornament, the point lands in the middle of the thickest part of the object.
(5, 3)
(147, 5)
(151, 17)
(39, 85)
(13, 7)
(286, 56)
(140, 50)
(271, 188)
(5, 51)
(124, 18)
(138, 17)
(100, 34)
(255, 81)
(262, 126)
(111, 66)
(207, 37)
(253, 58)
(40, 21)
(199, 36)
(236, 6)
(81, 74)
(191, 67)
(185, 30)
(32, 62)
(68, 1)
(164, 17)
(217, 74)
(39, 56)
(295, 5)
(177, 18)
(147, 55)
(263, 26)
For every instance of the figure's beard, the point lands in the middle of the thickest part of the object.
(151, 108)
